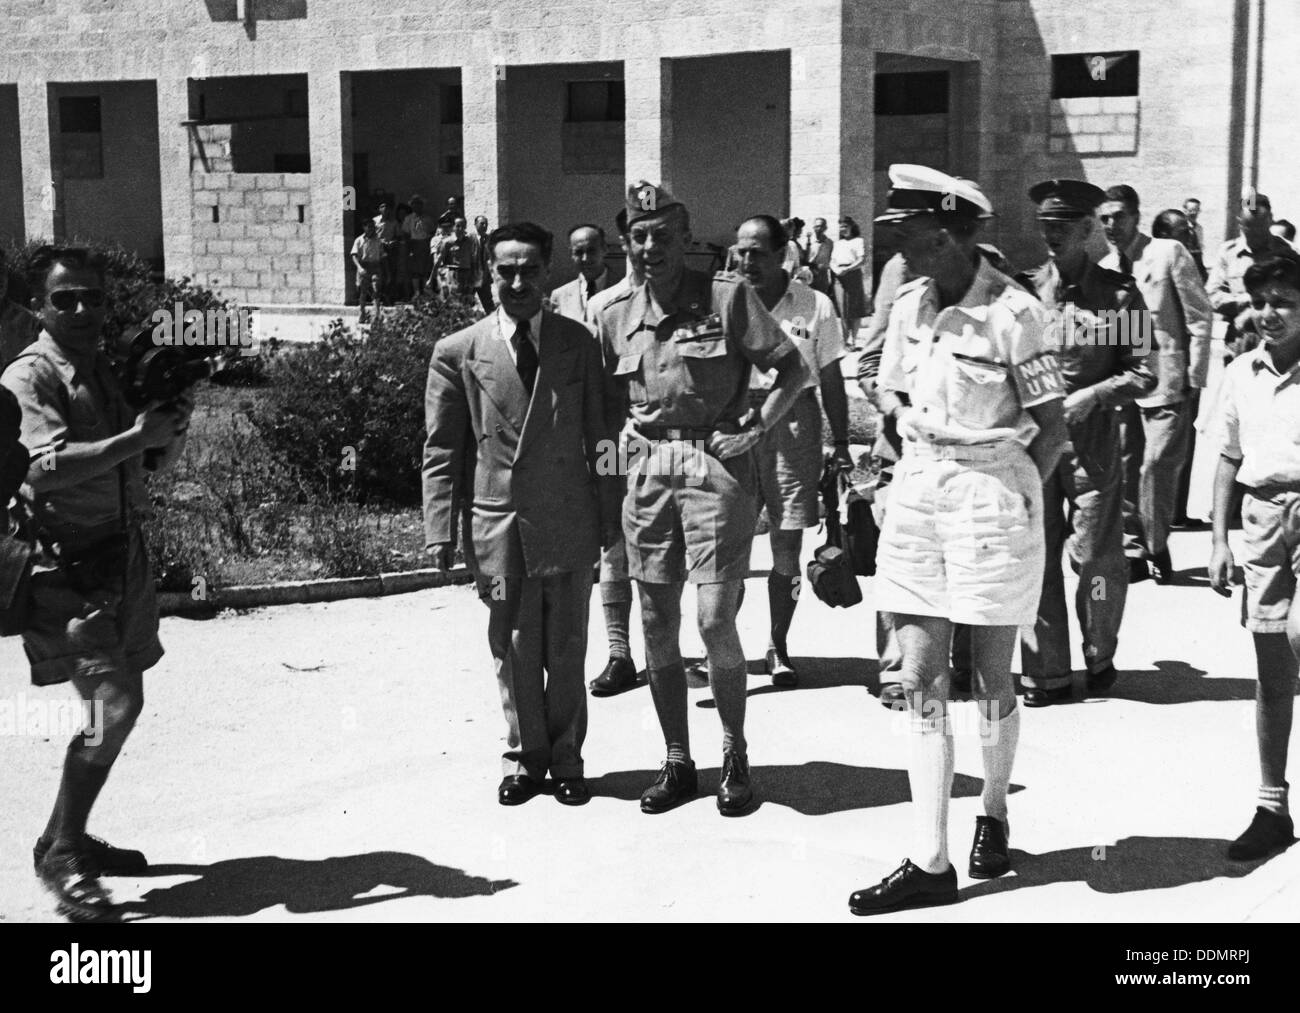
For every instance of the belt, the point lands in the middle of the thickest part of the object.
(961, 451)
(651, 431)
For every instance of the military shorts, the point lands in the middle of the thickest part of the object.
(789, 463)
(1270, 526)
(963, 536)
(91, 632)
(689, 516)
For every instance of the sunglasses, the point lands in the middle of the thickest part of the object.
(65, 300)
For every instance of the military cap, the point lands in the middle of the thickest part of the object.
(448, 217)
(1066, 200)
(920, 190)
(645, 200)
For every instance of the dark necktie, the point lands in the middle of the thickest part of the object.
(591, 288)
(1125, 263)
(525, 356)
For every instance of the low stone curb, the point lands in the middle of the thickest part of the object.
(299, 592)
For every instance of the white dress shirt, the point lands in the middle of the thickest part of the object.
(507, 325)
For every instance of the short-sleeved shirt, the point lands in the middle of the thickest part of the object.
(1227, 278)
(367, 250)
(76, 402)
(689, 367)
(419, 226)
(1257, 419)
(972, 369)
(808, 319)
(388, 229)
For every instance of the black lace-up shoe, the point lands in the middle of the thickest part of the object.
(906, 887)
(735, 795)
(677, 783)
(989, 857)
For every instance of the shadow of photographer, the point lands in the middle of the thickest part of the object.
(245, 886)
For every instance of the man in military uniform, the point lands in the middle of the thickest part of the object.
(1103, 336)
(680, 349)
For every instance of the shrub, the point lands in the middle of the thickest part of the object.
(347, 413)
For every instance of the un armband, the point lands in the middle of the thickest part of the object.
(1038, 379)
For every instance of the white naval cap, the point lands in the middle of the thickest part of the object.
(920, 190)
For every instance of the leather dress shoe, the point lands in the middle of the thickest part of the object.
(1035, 697)
(517, 789)
(735, 795)
(906, 887)
(572, 791)
(618, 677)
(100, 856)
(989, 857)
(1268, 832)
(780, 669)
(1163, 566)
(1100, 683)
(961, 680)
(676, 783)
(892, 695)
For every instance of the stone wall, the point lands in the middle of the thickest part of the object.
(258, 251)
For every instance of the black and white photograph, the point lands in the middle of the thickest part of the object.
(592, 461)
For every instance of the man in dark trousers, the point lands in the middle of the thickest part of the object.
(515, 414)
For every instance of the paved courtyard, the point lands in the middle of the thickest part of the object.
(339, 762)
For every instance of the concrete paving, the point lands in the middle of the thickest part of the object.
(340, 761)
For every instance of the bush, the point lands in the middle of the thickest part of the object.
(347, 413)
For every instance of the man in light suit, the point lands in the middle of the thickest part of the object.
(514, 409)
(587, 249)
(1157, 428)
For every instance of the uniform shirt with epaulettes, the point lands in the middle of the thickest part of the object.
(1096, 354)
(689, 368)
(971, 369)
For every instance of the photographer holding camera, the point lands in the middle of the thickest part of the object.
(94, 615)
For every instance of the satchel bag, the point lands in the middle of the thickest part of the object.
(831, 572)
(17, 558)
(861, 533)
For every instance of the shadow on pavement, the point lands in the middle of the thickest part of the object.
(1179, 682)
(815, 673)
(818, 788)
(244, 886)
(1135, 863)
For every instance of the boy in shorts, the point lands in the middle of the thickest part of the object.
(1258, 417)
(94, 615)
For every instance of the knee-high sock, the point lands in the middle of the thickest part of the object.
(729, 685)
(781, 601)
(82, 783)
(998, 740)
(929, 771)
(616, 599)
(668, 689)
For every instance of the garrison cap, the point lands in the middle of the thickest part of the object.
(644, 200)
(920, 190)
(1066, 200)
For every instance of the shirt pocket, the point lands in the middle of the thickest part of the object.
(631, 371)
(978, 392)
(708, 367)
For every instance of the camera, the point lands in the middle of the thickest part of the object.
(152, 372)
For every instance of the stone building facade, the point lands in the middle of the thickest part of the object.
(238, 141)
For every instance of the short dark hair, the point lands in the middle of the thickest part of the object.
(1163, 225)
(620, 221)
(777, 236)
(1126, 195)
(1283, 267)
(521, 232)
(1288, 230)
(587, 225)
(47, 258)
(1192, 200)
(854, 229)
